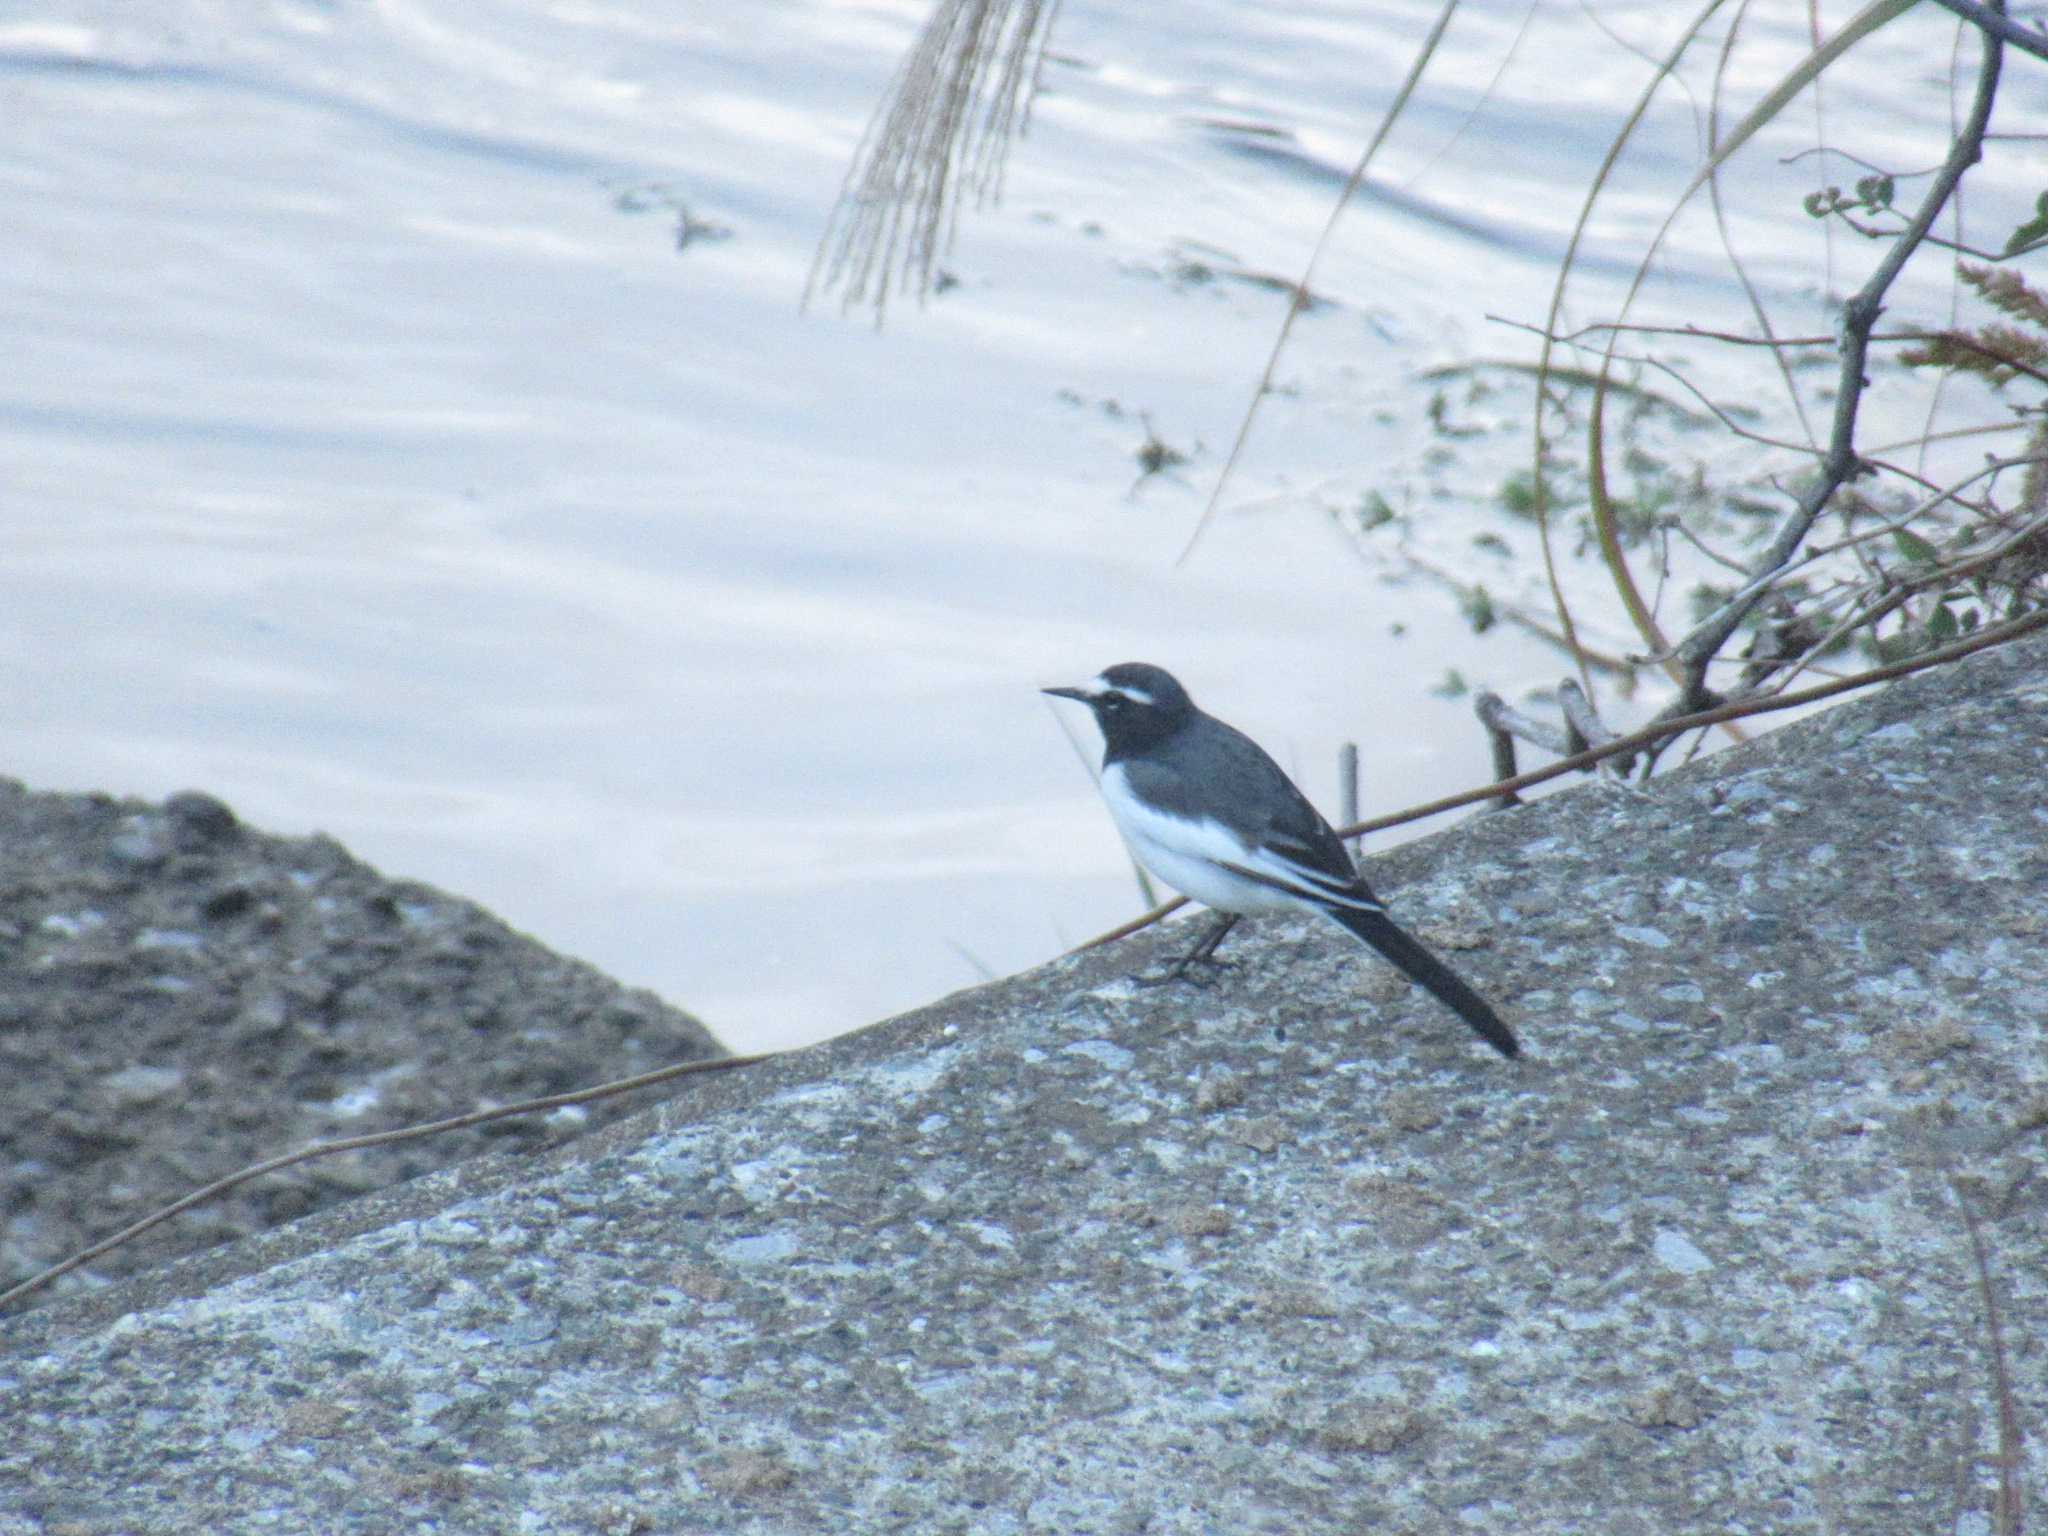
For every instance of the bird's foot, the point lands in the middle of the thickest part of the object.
(1195, 970)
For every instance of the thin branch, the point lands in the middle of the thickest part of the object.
(1301, 289)
(1859, 319)
(1587, 728)
(1890, 600)
(374, 1139)
(1685, 533)
(1920, 509)
(2008, 1509)
(1755, 299)
(1624, 586)
(1912, 586)
(1607, 662)
(1754, 589)
(1734, 427)
(1999, 26)
(1939, 242)
(1859, 162)
(1644, 360)
(1502, 719)
(1578, 338)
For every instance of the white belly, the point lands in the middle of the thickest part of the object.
(1189, 855)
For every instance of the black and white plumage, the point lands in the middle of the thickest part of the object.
(1206, 810)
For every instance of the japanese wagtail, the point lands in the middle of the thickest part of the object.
(1207, 811)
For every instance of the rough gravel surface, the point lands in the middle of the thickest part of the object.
(1291, 1254)
(181, 995)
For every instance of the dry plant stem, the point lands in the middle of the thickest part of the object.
(1655, 734)
(1582, 729)
(1893, 597)
(1513, 613)
(1505, 61)
(1587, 728)
(1998, 25)
(374, 1139)
(1502, 743)
(2008, 1516)
(1624, 586)
(1502, 719)
(1876, 578)
(961, 96)
(1893, 525)
(1840, 463)
(1299, 299)
(1580, 337)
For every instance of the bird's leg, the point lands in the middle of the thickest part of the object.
(1204, 953)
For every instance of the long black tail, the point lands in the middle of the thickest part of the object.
(1420, 966)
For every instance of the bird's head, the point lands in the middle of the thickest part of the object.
(1134, 703)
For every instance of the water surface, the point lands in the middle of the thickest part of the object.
(376, 460)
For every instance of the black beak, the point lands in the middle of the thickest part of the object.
(1081, 694)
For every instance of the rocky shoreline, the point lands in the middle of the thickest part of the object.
(182, 995)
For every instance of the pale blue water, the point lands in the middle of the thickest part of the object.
(374, 459)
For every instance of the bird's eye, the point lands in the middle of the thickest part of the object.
(1114, 702)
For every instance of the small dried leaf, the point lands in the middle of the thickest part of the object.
(1913, 547)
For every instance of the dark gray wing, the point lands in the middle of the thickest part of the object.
(1214, 770)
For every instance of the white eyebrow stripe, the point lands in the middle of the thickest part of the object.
(1103, 685)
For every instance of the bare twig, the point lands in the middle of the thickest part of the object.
(1920, 508)
(374, 1139)
(1502, 719)
(1587, 729)
(1999, 26)
(1734, 427)
(1903, 590)
(1502, 741)
(1607, 662)
(1685, 533)
(1623, 585)
(1301, 289)
(1841, 463)
(2007, 1513)
(1579, 337)
(1347, 781)
(1756, 588)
